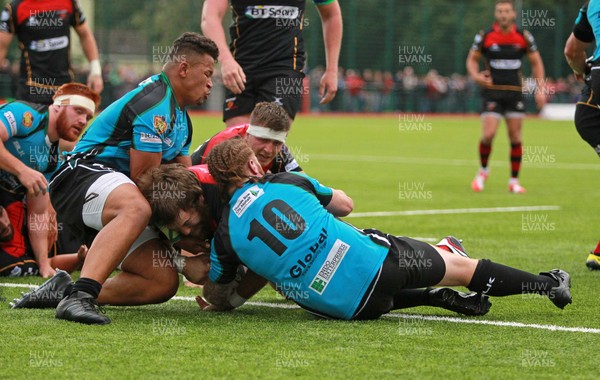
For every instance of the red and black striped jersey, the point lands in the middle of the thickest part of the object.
(43, 30)
(503, 54)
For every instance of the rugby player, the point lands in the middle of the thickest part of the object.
(29, 154)
(43, 29)
(284, 228)
(503, 46)
(265, 58)
(95, 188)
(587, 110)
(266, 134)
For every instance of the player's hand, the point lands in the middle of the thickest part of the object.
(46, 271)
(328, 87)
(95, 82)
(234, 77)
(484, 79)
(540, 98)
(33, 181)
(205, 306)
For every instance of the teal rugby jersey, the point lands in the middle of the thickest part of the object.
(147, 119)
(280, 229)
(27, 126)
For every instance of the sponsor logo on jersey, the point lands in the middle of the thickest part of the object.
(149, 138)
(505, 64)
(160, 124)
(330, 266)
(27, 119)
(304, 263)
(49, 44)
(494, 47)
(246, 199)
(271, 11)
(277, 101)
(12, 122)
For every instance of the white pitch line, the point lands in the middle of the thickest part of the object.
(394, 315)
(445, 162)
(453, 211)
(496, 323)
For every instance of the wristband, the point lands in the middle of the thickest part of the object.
(95, 68)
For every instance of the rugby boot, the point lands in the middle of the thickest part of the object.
(81, 307)
(471, 304)
(47, 295)
(453, 245)
(560, 295)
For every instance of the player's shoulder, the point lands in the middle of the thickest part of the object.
(151, 94)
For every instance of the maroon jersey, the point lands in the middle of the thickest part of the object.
(43, 31)
(503, 54)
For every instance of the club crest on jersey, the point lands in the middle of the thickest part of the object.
(27, 119)
(246, 199)
(160, 124)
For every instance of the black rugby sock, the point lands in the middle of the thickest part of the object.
(87, 285)
(500, 280)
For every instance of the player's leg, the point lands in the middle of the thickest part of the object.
(410, 266)
(490, 120)
(148, 276)
(284, 88)
(108, 202)
(587, 122)
(237, 107)
(514, 124)
(486, 277)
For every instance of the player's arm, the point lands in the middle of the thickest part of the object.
(31, 179)
(7, 30)
(213, 12)
(230, 296)
(482, 78)
(331, 21)
(183, 160)
(340, 204)
(141, 161)
(538, 73)
(90, 49)
(575, 55)
(5, 40)
(40, 230)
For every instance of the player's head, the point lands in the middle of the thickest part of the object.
(269, 127)
(233, 162)
(6, 228)
(75, 104)
(504, 13)
(190, 66)
(175, 197)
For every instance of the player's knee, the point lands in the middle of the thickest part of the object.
(166, 285)
(138, 209)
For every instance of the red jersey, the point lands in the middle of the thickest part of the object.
(284, 161)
